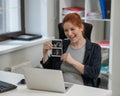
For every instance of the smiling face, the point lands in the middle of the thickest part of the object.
(73, 32)
(73, 27)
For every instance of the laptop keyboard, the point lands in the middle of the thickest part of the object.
(4, 86)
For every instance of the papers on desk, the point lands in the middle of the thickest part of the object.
(13, 78)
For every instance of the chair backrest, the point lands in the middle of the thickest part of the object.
(88, 30)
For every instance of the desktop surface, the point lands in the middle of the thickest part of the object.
(75, 90)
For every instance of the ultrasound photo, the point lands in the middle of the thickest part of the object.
(57, 43)
(57, 47)
(56, 52)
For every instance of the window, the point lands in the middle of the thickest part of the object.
(11, 18)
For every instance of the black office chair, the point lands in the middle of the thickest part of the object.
(88, 31)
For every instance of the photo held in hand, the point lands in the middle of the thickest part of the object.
(57, 47)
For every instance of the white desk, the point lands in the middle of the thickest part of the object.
(75, 90)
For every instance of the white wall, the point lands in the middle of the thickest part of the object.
(41, 17)
(31, 55)
(32, 16)
(115, 48)
(52, 17)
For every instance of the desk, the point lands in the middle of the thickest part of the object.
(75, 90)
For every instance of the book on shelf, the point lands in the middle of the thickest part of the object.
(94, 15)
(108, 9)
(103, 8)
(105, 69)
(79, 10)
(104, 43)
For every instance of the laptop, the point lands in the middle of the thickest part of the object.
(45, 79)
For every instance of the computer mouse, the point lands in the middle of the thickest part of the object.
(22, 81)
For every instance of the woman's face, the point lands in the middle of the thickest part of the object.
(74, 33)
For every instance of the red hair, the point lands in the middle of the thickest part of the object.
(74, 18)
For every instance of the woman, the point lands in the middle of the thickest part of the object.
(81, 59)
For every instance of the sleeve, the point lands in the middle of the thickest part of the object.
(92, 68)
(47, 64)
(52, 63)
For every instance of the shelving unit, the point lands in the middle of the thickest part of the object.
(92, 14)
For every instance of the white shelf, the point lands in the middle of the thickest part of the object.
(95, 19)
(101, 27)
(107, 47)
(13, 45)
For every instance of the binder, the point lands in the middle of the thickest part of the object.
(108, 9)
(103, 8)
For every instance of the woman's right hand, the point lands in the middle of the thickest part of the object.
(46, 47)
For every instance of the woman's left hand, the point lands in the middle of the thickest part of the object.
(67, 58)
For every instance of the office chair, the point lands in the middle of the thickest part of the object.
(88, 31)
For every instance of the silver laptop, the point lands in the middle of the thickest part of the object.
(45, 79)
